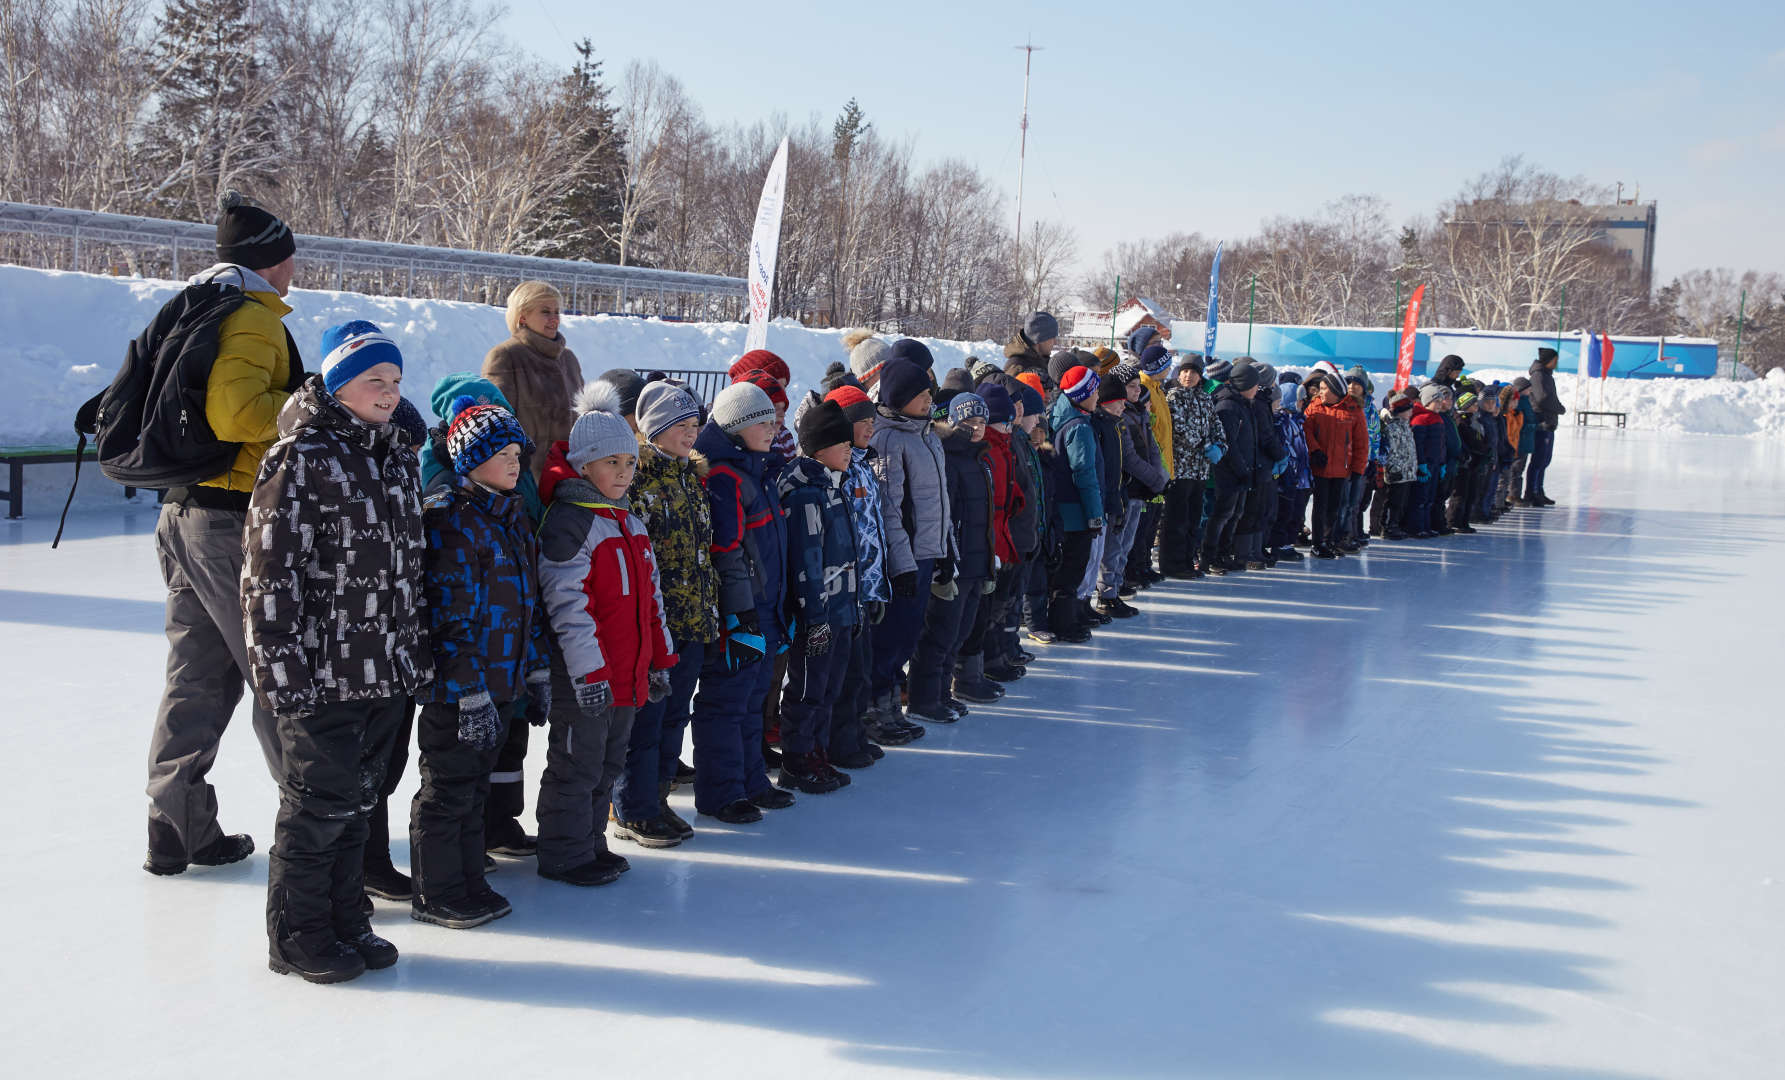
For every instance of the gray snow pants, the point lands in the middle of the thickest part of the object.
(584, 756)
(200, 551)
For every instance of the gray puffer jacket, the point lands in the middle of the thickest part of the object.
(913, 474)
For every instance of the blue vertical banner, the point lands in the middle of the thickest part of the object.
(1208, 337)
(1595, 359)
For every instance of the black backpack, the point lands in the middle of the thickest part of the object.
(149, 426)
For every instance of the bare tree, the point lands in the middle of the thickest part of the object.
(652, 105)
(1048, 250)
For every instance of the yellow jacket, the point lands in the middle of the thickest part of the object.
(247, 385)
(1161, 419)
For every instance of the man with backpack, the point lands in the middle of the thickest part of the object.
(231, 316)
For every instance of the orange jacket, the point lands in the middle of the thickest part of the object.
(1330, 431)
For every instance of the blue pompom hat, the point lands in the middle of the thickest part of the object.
(476, 433)
(350, 349)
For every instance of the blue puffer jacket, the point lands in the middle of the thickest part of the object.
(486, 625)
(1077, 466)
(867, 506)
(1298, 476)
(821, 549)
(749, 533)
(969, 502)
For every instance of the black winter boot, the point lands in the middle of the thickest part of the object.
(651, 832)
(669, 816)
(338, 962)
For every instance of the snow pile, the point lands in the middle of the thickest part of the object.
(63, 337)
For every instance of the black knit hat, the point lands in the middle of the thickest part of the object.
(1244, 375)
(629, 383)
(900, 382)
(822, 425)
(1112, 387)
(1062, 361)
(249, 236)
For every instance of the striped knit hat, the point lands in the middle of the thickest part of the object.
(352, 348)
(476, 433)
(1079, 383)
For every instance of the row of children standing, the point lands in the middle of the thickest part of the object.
(616, 563)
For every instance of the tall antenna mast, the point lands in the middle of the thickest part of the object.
(1029, 52)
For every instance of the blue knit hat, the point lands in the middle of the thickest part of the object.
(1033, 403)
(913, 350)
(900, 382)
(350, 349)
(967, 406)
(476, 433)
(1140, 338)
(1041, 326)
(1000, 409)
(1154, 359)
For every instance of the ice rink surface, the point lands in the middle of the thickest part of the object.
(1493, 806)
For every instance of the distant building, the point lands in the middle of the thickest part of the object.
(1627, 229)
(1090, 328)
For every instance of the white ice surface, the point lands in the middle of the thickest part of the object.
(1504, 805)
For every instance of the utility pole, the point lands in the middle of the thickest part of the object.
(1022, 156)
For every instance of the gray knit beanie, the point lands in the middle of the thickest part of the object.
(600, 431)
(740, 405)
(1432, 393)
(867, 356)
(662, 405)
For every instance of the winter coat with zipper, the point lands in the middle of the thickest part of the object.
(256, 370)
(1026, 519)
(1400, 459)
(1523, 433)
(821, 549)
(1428, 439)
(539, 376)
(486, 625)
(1144, 473)
(1020, 355)
(1270, 448)
(970, 502)
(1236, 417)
(1331, 431)
(1453, 441)
(1113, 445)
(332, 580)
(668, 496)
(1476, 445)
(1298, 476)
(749, 531)
(1544, 402)
(1077, 466)
(914, 483)
(867, 505)
(1193, 430)
(1007, 493)
(599, 579)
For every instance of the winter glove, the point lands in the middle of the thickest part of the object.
(744, 643)
(658, 686)
(944, 590)
(817, 639)
(876, 611)
(1425, 473)
(1395, 476)
(905, 585)
(1317, 458)
(1095, 526)
(1277, 469)
(1214, 452)
(593, 697)
(480, 726)
(539, 697)
(988, 587)
(944, 570)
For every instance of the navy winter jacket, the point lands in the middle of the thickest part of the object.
(821, 545)
(1235, 414)
(970, 502)
(749, 534)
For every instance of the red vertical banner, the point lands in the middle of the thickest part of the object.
(1605, 351)
(1404, 362)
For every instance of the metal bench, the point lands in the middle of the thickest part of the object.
(15, 458)
(1580, 416)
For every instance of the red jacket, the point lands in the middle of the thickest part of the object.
(1360, 446)
(598, 577)
(1007, 494)
(1330, 431)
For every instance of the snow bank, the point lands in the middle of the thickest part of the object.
(63, 336)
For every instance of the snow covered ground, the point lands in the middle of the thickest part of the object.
(1503, 805)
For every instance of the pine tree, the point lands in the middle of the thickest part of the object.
(585, 222)
(213, 127)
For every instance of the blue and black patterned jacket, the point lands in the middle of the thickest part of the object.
(487, 626)
(821, 545)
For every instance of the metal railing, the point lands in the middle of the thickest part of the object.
(148, 247)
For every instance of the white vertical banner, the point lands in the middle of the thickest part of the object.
(765, 240)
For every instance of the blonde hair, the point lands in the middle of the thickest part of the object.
(527, 296)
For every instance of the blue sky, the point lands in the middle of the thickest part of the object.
(1305, 102)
